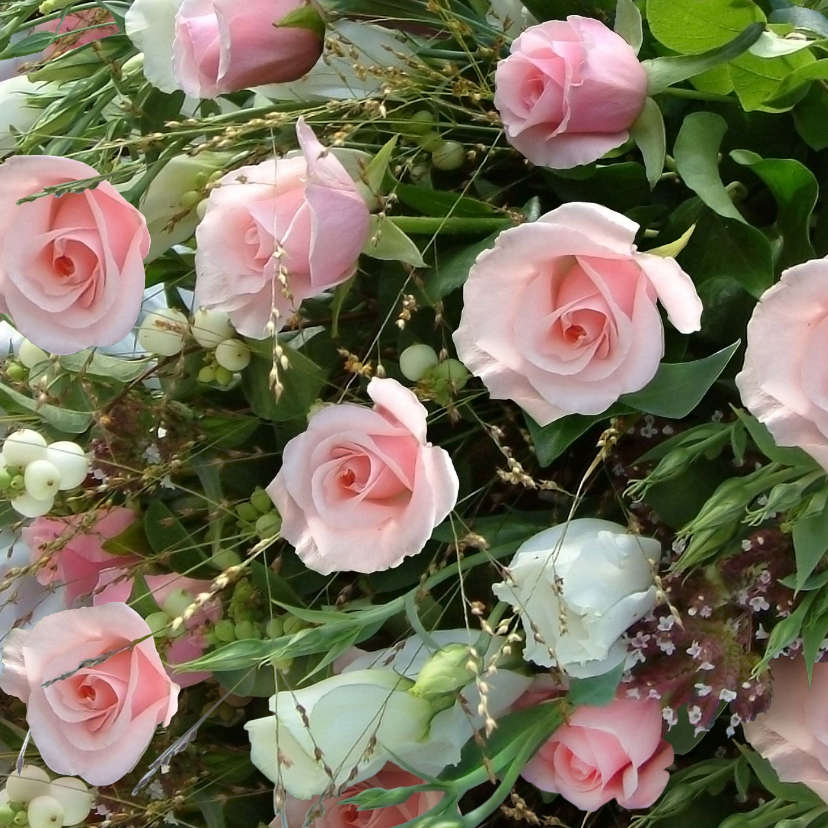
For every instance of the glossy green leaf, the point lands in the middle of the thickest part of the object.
(63, 419)
(691, 28)
(810, 540)
(628, 23)
(598, 691)
(553, 440)
(649, 134)
(450, 272)
(389, 243)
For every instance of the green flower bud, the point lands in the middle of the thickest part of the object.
(261, 501)
(225, 631)
(245, 630)
(291, 624)
(268, 526)
(247, 512)
(275, 628)
(445, 672)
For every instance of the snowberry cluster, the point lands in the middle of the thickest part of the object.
(165, 333)
(32, 798)
(32, 472)
(420, 363)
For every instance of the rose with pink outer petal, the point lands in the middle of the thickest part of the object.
(307, 207)
(96, 24)
(561, 315)
(223, 46)
(337, 814)
(362, 489)
(602, 753)
(78, 558)
(569, 92)
(98, 721)
(71, 268)
(116, 586)
(793, 734)
(785, 374)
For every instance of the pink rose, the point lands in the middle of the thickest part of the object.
(97, 722)
(73, 549)
(336, 814)
(223, 46)
(569, 92)
(603, 753)
(793, 734)
(305, 208)
(116, 586)
(71, 268)
(785, 371)
(361, 489)
(561, 317)
(95, 24)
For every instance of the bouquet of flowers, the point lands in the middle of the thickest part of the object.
(414, 413)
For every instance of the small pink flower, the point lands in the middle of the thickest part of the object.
(604, 753)
(78, 558)
(792, 735)
(561, 315)
(337, 814)
(569, 92)
(116, 586)
(223, 46)
(71, 268)
(277, 233)
(96, 722)
(362, 489)
(785, 371)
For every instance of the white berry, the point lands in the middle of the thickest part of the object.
(24, 446)
(71, 461)
(30, 507)
(158, 623)
(42, 479)
(176, 603)
(417, 360)
(75, 798)
(45, 812)
(29, 784)
(233, 355)
(30, 355)
(163, 332)
(211, 328)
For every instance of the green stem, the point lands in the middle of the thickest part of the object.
(453, 225)
(696, 95)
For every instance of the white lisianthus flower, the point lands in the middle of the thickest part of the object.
(371, 699)
(17, 114)
(150, 25)
(595, 575)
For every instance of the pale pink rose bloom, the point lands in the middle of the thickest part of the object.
(604, 753)
(71, 268)
(116, 586)
(337, 814)
(90, 20)
(223, 46)
(98, 722)
(307, 207)
(561, 316)
(362, 489)
(793, 734)
(569, 92)
(81, 559)
(785, 374)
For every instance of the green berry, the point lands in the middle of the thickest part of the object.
(207, 374)
(451, 371)
(225, 558)
(261, 501)
(225, 631)
(431, 141)
(158, 622)
(245, 630)
(292, 624)
(223, 376)
(5, 478)
(21, 818)
(189, 199)
(274, 628)
(212, 639)
(421, 122)
(17, 483)
(247, 512)
(6, 815)
(268, 526)
(450, 155)
(16, 371)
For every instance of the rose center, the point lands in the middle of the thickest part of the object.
(64, 266)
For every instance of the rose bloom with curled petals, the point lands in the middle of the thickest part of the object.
(71, 268)
(603, 753)
(97, 722)
(569, 92)
(792, 733)
(785, 375)
(305, 208)
(561, 315)
(336, 813)
(362, 489)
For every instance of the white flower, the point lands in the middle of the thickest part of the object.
(16, 111)
(150, 25)
(370, 701)
(594, 575)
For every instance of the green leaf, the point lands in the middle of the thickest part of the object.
(691, 28)
(758, 81)
(553, 440)
(450, 272)
(786, 455)
(389, 243)
(305, 17)
(810, 540)
(132, 541)
(796, 191)
(628, 23)
(97, 364)
(722, 247)
(378, 166)
(30, 45)
(439, 203)
(140, 598)
(795, 80)
(682, 735)
(648, 133)
(63, 419)
(678, 388)
(228, 430)
(801, 18)
(789, 791)
(303, 381)
(598, 691)
(168, 537)
(667, 71)
(785, 632)
(696, 153)
(811, 118)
